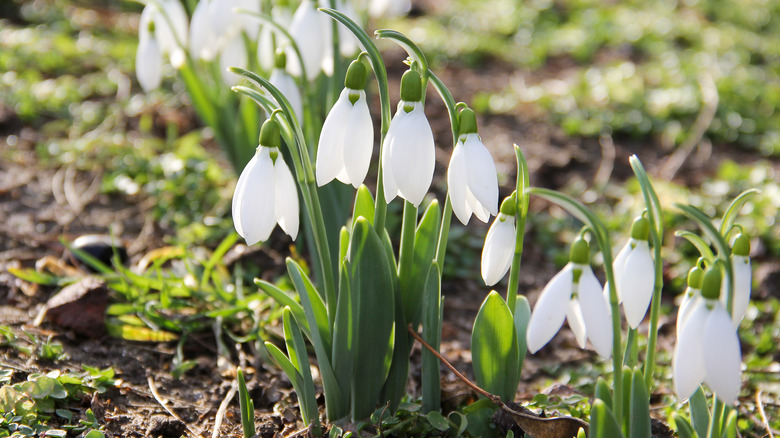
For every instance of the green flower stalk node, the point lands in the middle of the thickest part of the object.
(270, 135)
(741, 245)
(411, 87)
(467, 121)
(356, 76)
(640, 229)
(695, 277)
(580, 252)
(509, 205)
(710, 285)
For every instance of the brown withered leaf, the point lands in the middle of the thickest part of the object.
(80, 307)
(536, 426)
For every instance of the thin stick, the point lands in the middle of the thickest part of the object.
(760, 406)
(163, 403)
(223, 409)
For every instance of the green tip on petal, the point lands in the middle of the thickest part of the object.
(467, 122)
(580, 252)
(741, 245)
(280, 59)
(695, 277)
(509, 205)
(150, 26)
(640, 229)
(356, 76)
(710, 284)
(270, 135)
(411, 87)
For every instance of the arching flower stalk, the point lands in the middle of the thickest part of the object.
(347, 136)
(266, 194)
(574, 295)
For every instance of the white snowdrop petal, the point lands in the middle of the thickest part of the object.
(636, 283)
(232, 55)
(286, 208)
(618, 266)
(359, 142)
(550, 310)
(743, 277)
(388, 178)
(499, 248)
(687, 361)
(688, 303)
(201, 36)
(148, 64)
(576, 322)
(456, 183)
(286, 84)
(482, 175)
(306, 30)
(721, 355)
(413, 157)
(330, 151)
(254, 199)
(596, 313)
(479, 210)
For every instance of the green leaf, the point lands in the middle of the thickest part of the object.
(684, 429)
(438, 421)
(603, 392)
(343, 243)
(480, 418)
(371, 282)
(730, 425)
(494, 348)
(343, 353)
(247, 408)
(287, 301)
(32, 276)
(603, 423)
(312, 303)
(364, 205)
(462, 422)
(431, 323)
(733, 209)
(425, 240)
(94, 434)
(700, 412)
(395, 384)
(296, 351)
(640, 406)
(283, 362)
(699, 243)
(522, 315)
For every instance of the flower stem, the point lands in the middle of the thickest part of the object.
(406, 250)
(521, 208)
(444, 232)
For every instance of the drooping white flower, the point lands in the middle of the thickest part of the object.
(708, 347)
(306, 29)
(743, 278)
(574, 294)
(203, 40)
(265, 192)
(499, 249)
(347, 41)
(280, 79)
(171, 22)
(635, 273)
(471, 177)
(148, 62)
(269, 36)
(347, 136)
(691, 295)
(408, 151)
(233, 54)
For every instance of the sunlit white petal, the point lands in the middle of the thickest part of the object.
(619, 265)
(360, 143)
(499, 249)
(286, 84)
(148, 64)
(576, 321)
(232, 55)
(457, 183)
(330, 152)
(596, 313)
(412, 153)
(687, 360)
(636, 281)
(306, 30)
(254, 199)
(550, 310)
(743, 277)
(202, 39)
(286, 209)
(722, 356)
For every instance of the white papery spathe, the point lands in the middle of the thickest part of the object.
(307, 30)
(743, 278)
(499, 249)
(472, 180)
(286, 84)
(581, 303)
(634, 279)
(346, 141)
(408, 155)
(707, 351)
(265, 195)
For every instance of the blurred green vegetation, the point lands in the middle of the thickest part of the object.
(633, 67)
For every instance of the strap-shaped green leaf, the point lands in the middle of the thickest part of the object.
(522, 315)
(283, 362)
(603, 423)
(425, 239)
(603, 393)
(371, 282)
(733, 209)
(296, 350)
(395, 384)
(247, 406)
(285, 300)
(364, 205)
(700, 412)
(730, 425)
(343, 353)
(431, 323)
(640, 406)
(684, 429)
(494, 348)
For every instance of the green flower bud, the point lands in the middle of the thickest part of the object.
(280, 59)
(741, 245)
(270, 135)
(508, 206)
(710, 285)
(695, 277)
(411, 87)
(467, 121)
(580, 252)
(640, 229)
(356, 76)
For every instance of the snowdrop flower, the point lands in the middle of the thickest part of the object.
(471, 176)
(269, 36)
(691, 295)
(347, 136)
(574, 294)
(743, 278)
(265, 193)
(408, 152)
(280, 79)
(708, 347)
(148, 59)
(635, 273)
(499, 248)
(202, 37)
(162, 30)
(233, 54)
(306, 29)
(348, 44)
